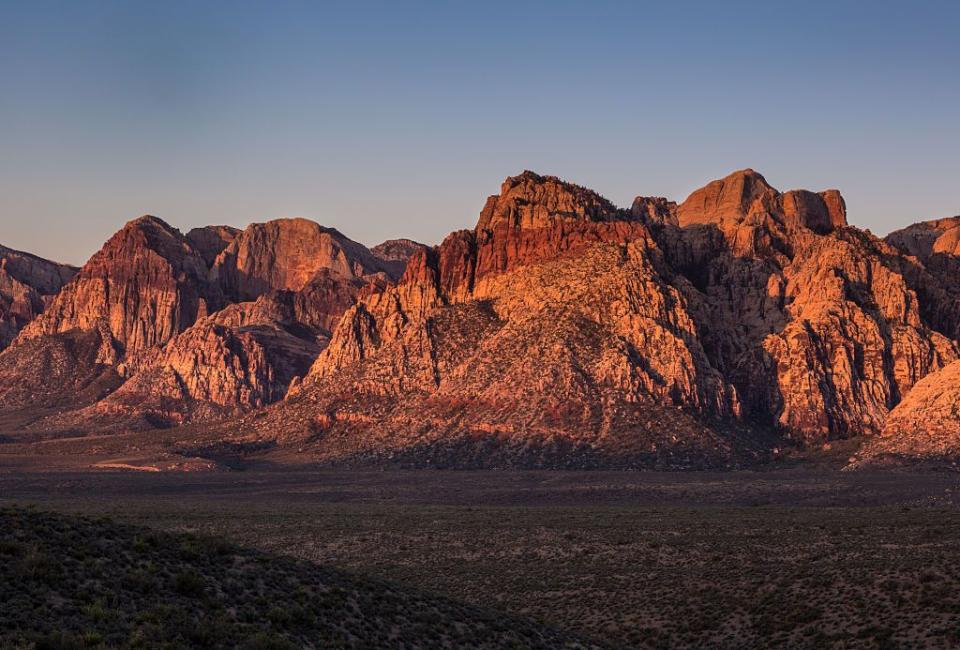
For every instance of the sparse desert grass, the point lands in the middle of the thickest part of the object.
(633, 560)
(68, 582)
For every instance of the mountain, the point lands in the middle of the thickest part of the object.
(929, 239)
(560, 331)
(146, 285)
(286, 254)
(172, 327)
(817, 324)
(27, 283)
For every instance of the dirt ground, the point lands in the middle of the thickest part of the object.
(788, 558)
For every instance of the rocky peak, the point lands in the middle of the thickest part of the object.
(287, 254)
(45, 276)
(397, 250)
(145, 285)
(745, 196)
(533, 201)
(735, 196)
(656, 209)
(925, 239)
(210, 241)
(26, 284)
(395, 253)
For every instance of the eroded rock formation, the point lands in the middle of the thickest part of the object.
(146, 285)
(925, 426)
(160, 305)
(742, 304)
(817, 324)
(286, 254)
(27, 283)
(559, 331)
(240, 358)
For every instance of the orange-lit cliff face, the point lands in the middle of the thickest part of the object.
(562, 318)
(560, 330)
(27, 283)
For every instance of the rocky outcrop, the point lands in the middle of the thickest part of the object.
(395, 253)
(240, 358)
(816, 324)
(925, 426)
(533, 201)
(146, 285)
(745, 198)
(66, 370)
(551, 324)
(27, 283)
(210, 241)
(929, 238)
(286, 254)
(932, 252)
(655, 209)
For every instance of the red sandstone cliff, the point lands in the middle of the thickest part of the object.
(27, 283)
(560, 331)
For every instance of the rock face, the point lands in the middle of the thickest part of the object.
(395, 253)
(745, 197)
(62, 371)
(561, 321)
(286, 254)
(27, 283)
(935, 268)
(929, 238)
(560, 331)
(925, 425)
(210, 241)
(240, 358)
(146, 285)
(162, 309)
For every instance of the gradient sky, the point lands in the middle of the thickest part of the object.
(398, 119)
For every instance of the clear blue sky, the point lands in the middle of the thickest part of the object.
(398, 119)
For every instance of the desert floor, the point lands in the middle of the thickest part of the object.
(787, 558)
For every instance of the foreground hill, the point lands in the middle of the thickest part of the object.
(69, 582)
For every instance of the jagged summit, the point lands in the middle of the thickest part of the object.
(745, 195)
(562, 327)
(287, 254)
(928, 238)
(530, 200)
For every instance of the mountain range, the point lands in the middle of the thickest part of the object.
(561, 331)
